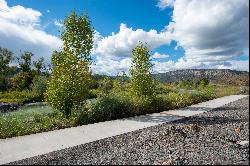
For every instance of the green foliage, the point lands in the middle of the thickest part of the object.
(78, 36)
(68, 85)
(221, 91)
(203, 82)
(70, 80)
(15, 125)
(141, 83)
(39, 65)
(209, 91)
(105, 108)
(22, 80)
(94, 93)
(111, 106)
(186, 84)
(39, 86)
(118, 86)
(24, 96)
(247, 83)
(162, 88)
(105, 84)
(4, 83)
(6, 57)
(25, 61)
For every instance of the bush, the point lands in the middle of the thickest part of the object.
(4, 83)
(24, 96)
(105, 84)
(104, 108)
(22, 80)
(39, 86)
(94, 93)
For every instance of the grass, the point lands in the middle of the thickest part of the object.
(28, 121)
(26, 111)
(229, 90)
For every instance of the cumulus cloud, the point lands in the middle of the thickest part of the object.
(157, 55)
(111, 66)
(125, 40)
(210, 30)
(212, 33)
(20, 30)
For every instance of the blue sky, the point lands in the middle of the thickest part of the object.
(106, 15)
(180, 33)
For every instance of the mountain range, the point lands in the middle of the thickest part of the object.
(225, 76)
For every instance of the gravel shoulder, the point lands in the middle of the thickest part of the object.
(208, 138)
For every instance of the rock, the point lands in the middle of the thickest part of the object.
(7, 107)
(167, 162)
(243, 144)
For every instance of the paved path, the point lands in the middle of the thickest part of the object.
(12, 149)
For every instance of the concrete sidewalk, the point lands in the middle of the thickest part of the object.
(17, 148)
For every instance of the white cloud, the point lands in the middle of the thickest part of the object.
(109, 66)
(157, 55)
(182, 63)
(240, 65)
(212, 34)
(163, 67)
(125, 40)
(20, 30)
(18, 14)
(162, 4)
(58, 23)
(210, 31)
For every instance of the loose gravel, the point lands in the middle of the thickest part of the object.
(208, 138)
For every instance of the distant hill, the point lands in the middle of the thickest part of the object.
(224, 76)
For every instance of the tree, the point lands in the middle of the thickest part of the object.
(70, 79)
(6, 57)
(39, 65)
(23, 79)
(142, 83)
(106, 84)
(25, 61)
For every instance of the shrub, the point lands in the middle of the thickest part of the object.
(104, 108)
(22, 80)
(4, 83)
(24, 96)
(106, 84)
(94, 93)
(39, 86)
(145, 105)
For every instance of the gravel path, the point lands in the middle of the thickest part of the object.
(208, 138)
